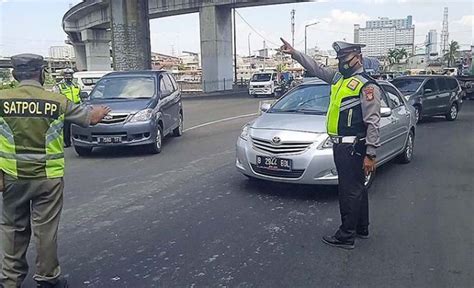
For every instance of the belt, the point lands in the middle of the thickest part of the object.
(343, 139)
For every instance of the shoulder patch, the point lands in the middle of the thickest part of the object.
(353, 84)
(368, 92)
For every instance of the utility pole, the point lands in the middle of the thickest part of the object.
(306, 37)
(248, 40)
(445, 33)
(293, 27)
(235, 46)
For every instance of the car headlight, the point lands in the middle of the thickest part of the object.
(244, 135)
(143, 115)
(326, 144)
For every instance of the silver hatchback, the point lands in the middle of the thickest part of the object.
(289, 143)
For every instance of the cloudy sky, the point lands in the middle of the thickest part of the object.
(33, 26)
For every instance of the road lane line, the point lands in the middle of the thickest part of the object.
(219, 121)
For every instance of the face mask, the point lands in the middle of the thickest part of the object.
(345, 68)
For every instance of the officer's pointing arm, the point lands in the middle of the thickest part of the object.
(312, 67)
(370, 98)
(83, 115)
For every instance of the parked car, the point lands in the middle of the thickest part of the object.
(87, 79)
(263, 83)
(289, 143)
(146, 107)
(431, 95)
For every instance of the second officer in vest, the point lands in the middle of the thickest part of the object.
(71, 90)
(353, 123)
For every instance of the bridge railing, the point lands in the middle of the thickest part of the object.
(215, 85)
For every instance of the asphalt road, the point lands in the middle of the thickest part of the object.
(187, 218)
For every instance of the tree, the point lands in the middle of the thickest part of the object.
(402, 53)
(452, 51)
(392, 56)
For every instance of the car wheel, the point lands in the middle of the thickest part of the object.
(83, 151)
(368, 180)
(417, 114)
(155, 148)
(178, 131)
(453, 113)
(407, 154)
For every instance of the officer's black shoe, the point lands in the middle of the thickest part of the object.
(333, 241)
(363, 234)
(61, 283)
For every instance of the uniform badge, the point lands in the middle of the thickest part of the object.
(368, 93)
(353, 84)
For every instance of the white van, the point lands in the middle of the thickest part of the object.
(263, 83)
(87, 79)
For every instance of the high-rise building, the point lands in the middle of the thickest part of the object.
(384, 34)
(431, 42)
(61, 52)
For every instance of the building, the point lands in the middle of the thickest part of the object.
(384, 34)
(431, 43)
(164, 62)
(61, 52)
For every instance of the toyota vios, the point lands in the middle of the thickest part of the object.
(146, 106)
(288, 142)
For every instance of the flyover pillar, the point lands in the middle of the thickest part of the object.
(80, 54)
(130, 27)
(97, 49)
(216, 47)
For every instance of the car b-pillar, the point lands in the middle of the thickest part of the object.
(130, 27)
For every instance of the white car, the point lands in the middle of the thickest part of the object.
(289, 143)
(87, 79)
(263, 83)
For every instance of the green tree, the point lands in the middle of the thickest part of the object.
(392, 56)
(452, 51)
(402, 53)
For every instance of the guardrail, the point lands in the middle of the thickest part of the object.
(201, 86)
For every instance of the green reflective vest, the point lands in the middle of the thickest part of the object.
(31, 133)
(70, 91)
(344, 117)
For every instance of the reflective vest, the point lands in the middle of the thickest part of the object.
(70, 91)
(31, 133)
(344, 117)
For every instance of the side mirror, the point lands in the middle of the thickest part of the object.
(385, 112)
(428, 91)
(84, 95)
(264, 107)
(165, 93)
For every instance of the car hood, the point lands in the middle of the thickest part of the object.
(123, 106)
(291, 122)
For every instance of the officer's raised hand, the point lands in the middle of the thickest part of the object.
(98, 113)
(286, 47)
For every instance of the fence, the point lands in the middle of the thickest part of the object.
(215, 85)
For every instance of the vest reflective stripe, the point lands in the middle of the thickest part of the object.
(341, 90)
(71, 92)
(55, 146)
(7, 145)
(31, 157)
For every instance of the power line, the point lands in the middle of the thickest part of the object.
(253, 29)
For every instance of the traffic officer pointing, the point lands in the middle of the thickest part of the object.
(353, 124)
(32, 169)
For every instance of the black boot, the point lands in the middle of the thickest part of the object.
(362, 234)
(60, 283)
(333, 241)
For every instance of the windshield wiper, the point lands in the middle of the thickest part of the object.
(311, 111)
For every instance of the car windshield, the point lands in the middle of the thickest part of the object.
(90, 81)
(407, 86)
(124, 87)
(261, 77)
(308, 99)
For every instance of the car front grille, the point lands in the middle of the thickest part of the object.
(294, 174)
(116, 118)
(283, 148)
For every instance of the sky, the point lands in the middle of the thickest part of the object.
(35, 25)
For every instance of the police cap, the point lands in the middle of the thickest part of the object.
(27, 62)
(344, 48)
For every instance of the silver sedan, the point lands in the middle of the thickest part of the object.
(289, 143)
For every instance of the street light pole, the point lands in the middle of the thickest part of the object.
(248, 40)
(306, 37)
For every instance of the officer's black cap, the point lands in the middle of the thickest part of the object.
(344, 48)
(27, 62)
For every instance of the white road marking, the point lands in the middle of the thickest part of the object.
(219, 121)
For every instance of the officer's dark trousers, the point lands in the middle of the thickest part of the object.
(353, 199)
(30, 207)
(67, 133)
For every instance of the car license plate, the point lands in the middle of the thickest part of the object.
(273, 163)
(110, 140)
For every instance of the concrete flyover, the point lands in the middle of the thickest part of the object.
(93, 24)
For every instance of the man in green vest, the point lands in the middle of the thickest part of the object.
(32, 165)
(71, 90)
(353, 124)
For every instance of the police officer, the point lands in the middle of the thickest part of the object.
(353, 124)
(71, 90)
(32, 161)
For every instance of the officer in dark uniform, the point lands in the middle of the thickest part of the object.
(353, 124)
(32, 164)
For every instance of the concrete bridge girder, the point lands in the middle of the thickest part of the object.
(95, 18)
